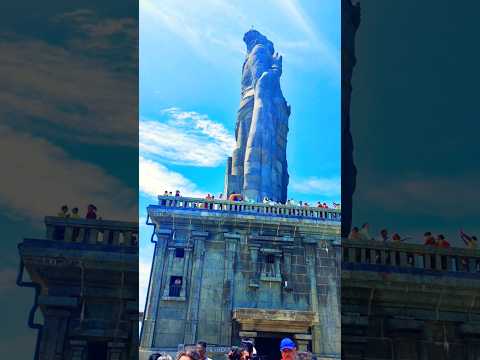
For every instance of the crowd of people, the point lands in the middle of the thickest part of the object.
(90, 214)
(440, 241)
(265, 200)
(247, 351)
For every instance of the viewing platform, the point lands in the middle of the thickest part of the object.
(245, 209)
(408, 258)
(95, 232)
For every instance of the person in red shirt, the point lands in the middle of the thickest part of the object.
(442, 242)
(428, 239)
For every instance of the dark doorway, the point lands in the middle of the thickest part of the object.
(268, 348)
(97, 350)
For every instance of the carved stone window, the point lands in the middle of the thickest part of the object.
(175, 286)
(271, 260)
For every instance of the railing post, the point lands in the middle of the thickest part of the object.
(68, 234)
(438, 262)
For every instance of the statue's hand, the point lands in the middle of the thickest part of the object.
(277, 62)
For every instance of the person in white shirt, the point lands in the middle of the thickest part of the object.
(201, 349)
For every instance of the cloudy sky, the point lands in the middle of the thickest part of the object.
(68, 108)
(191, 56)
(415, 118)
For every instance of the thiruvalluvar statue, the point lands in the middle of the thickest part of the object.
(258, 166)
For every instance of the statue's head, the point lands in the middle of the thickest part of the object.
(253, 37)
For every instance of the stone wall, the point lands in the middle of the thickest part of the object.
(254, 265)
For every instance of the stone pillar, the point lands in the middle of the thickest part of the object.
(310, 260)
(133, 334)
(53, 334)
(254, 248)
(195, 287)
(328, 267)
(115, 351)
(155, 287)
(78, 349)
(231, 241)
(186, 267)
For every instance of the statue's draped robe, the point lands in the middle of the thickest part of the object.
(259, 164)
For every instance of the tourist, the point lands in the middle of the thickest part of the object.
(325, 206)
(235, 197)
(364, 234)
(235, 353)
(470, 241)
(428, 239)
(201, 349)
(319, 204)
(354, 234)
(288, 349)
(442, 242)
(265, 200)
(91, 212)
(249, 351)
(188, 355)
(63, 212)
(170, 194)
(396, 238)
(383, 236)
(154, 356)
(165, 193)
(220, 197)
(75, 213)
(164, 357)
(177, 193)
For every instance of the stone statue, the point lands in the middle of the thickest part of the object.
(258, 166)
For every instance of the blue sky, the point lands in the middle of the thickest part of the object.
(191, 56)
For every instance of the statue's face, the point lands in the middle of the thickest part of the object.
(253, 38)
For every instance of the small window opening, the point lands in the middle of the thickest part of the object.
(179, 252)
(175, 286)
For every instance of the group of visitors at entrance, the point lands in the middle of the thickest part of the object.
(247, 351)
(439, 241)
(90, 214)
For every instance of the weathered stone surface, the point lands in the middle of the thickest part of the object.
(258, 166)
(239, 281)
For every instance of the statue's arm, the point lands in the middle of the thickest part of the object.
(260, 61)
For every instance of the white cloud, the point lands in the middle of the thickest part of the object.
(186, 138)
(41, 177)
(155, 178)
(327, 187)
(294, 11)
(44, 86)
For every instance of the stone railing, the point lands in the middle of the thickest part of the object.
(248, 208)
(410, 256)
(100, 232)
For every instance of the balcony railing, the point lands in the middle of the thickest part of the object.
(101, 232)
(410, 256)
(248, 208)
